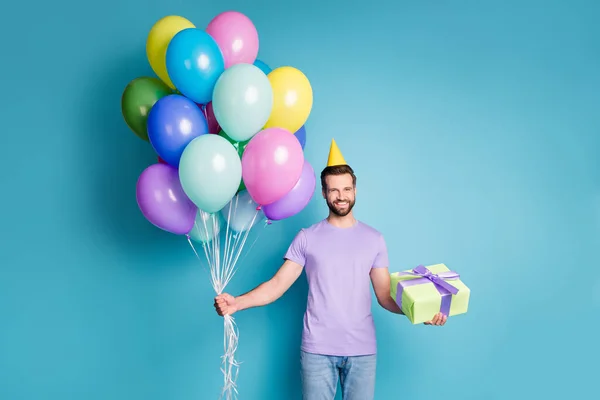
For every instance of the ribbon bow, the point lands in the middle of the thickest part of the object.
(437, 279)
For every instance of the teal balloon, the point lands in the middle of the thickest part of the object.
(210, 171)
(207, 226)
(241, 212)
(242, 101)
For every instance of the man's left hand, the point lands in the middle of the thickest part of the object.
(438, 320)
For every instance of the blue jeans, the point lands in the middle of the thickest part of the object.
(320, 376)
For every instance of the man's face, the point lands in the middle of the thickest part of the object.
(340, 194)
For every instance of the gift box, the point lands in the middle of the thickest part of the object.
(425, 291)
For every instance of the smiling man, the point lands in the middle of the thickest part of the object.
(342, 257)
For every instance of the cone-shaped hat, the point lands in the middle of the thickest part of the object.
(335, 155)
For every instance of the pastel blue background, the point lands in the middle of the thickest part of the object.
(487, 114)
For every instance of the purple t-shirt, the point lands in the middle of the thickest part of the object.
(337, 261)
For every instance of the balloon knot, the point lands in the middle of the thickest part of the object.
(258, 208)
(269, 222)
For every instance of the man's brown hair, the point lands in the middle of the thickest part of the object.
(337, 170)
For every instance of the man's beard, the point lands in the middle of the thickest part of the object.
(341, 212)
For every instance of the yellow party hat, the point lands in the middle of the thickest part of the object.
(335, 155)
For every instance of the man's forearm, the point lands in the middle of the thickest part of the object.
(390, 304)
(262, 295)
(272, 289)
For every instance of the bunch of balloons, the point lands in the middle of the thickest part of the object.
(229, 137)
(222, 123)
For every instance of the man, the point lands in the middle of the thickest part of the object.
(342, 257)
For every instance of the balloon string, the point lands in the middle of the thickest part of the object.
(255, 240)
(228, 231)
(230, 366)
(222, 268)
(232, 239)
(232, 267)
(192, 245)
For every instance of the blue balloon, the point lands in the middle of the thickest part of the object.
(301, 136)
(241, 212)
(263, 67)
(194, 63)
(173, 122)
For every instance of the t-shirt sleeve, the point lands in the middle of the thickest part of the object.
(381, 259)
(297, 250)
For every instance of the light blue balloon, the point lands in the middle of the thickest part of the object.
(241, 212)
(206, 226)
(242, 101)
(263, 67)
(194, 62)
(210, 171)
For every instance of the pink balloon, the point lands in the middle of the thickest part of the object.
(213, 125)
(271, 165)
(236, 36)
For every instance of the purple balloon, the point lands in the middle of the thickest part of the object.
(296, 199)
(162, 200)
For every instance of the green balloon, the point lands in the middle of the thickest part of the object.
(240, 147)
(138, 98)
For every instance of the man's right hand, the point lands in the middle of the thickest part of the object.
(264, 294)
(225, 304)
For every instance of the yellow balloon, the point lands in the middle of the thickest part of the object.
(158, 40)
(292, 99)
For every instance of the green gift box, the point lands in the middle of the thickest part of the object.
(425, 291)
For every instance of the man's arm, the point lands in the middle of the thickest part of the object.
(263, 294)
(272, 289)
(380, 278)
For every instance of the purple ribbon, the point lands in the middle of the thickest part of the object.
(445, 289)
